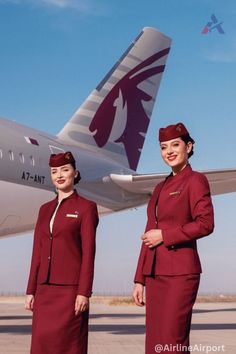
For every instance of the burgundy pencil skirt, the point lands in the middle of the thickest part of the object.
(169, 303)
(55, 328)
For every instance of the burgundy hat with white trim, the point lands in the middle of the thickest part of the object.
(64, 158)
(173, 131)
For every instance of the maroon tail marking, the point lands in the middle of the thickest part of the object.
(137, 119)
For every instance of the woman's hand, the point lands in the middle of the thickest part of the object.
(81, 304)
(152, 238)
(29, 302)
(138, 294)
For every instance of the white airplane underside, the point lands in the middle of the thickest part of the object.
(106, 136)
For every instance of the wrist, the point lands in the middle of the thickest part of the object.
(138, 284)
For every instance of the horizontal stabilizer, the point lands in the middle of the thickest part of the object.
(221, 181)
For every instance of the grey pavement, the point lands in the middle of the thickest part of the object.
(121, 329)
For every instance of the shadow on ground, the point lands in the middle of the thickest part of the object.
(117, 329)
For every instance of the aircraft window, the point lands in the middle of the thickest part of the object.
(32, 162)
(22, 158)
(11, 155)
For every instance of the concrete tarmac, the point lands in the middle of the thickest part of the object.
(121, 329)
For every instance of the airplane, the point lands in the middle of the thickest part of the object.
(106, 136)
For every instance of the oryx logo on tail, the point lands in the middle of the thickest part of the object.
(125, 103)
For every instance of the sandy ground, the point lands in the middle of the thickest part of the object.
(118, 328)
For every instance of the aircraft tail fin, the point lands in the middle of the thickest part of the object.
(114, 119)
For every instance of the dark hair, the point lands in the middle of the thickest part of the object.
(187, 138)
(78, 177)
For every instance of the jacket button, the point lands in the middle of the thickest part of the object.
(172, 247)
(50, 237)
(49, 258)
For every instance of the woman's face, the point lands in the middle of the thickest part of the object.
(63, 177)
(175, 153)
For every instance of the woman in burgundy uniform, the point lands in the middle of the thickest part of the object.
(62, 266)
(179, 212)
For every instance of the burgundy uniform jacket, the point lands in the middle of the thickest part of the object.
(65, 256)
(181, 207)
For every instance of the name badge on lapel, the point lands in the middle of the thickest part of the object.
(174, 193)
(72, 215)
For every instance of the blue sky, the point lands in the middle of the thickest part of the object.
(54, 52)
